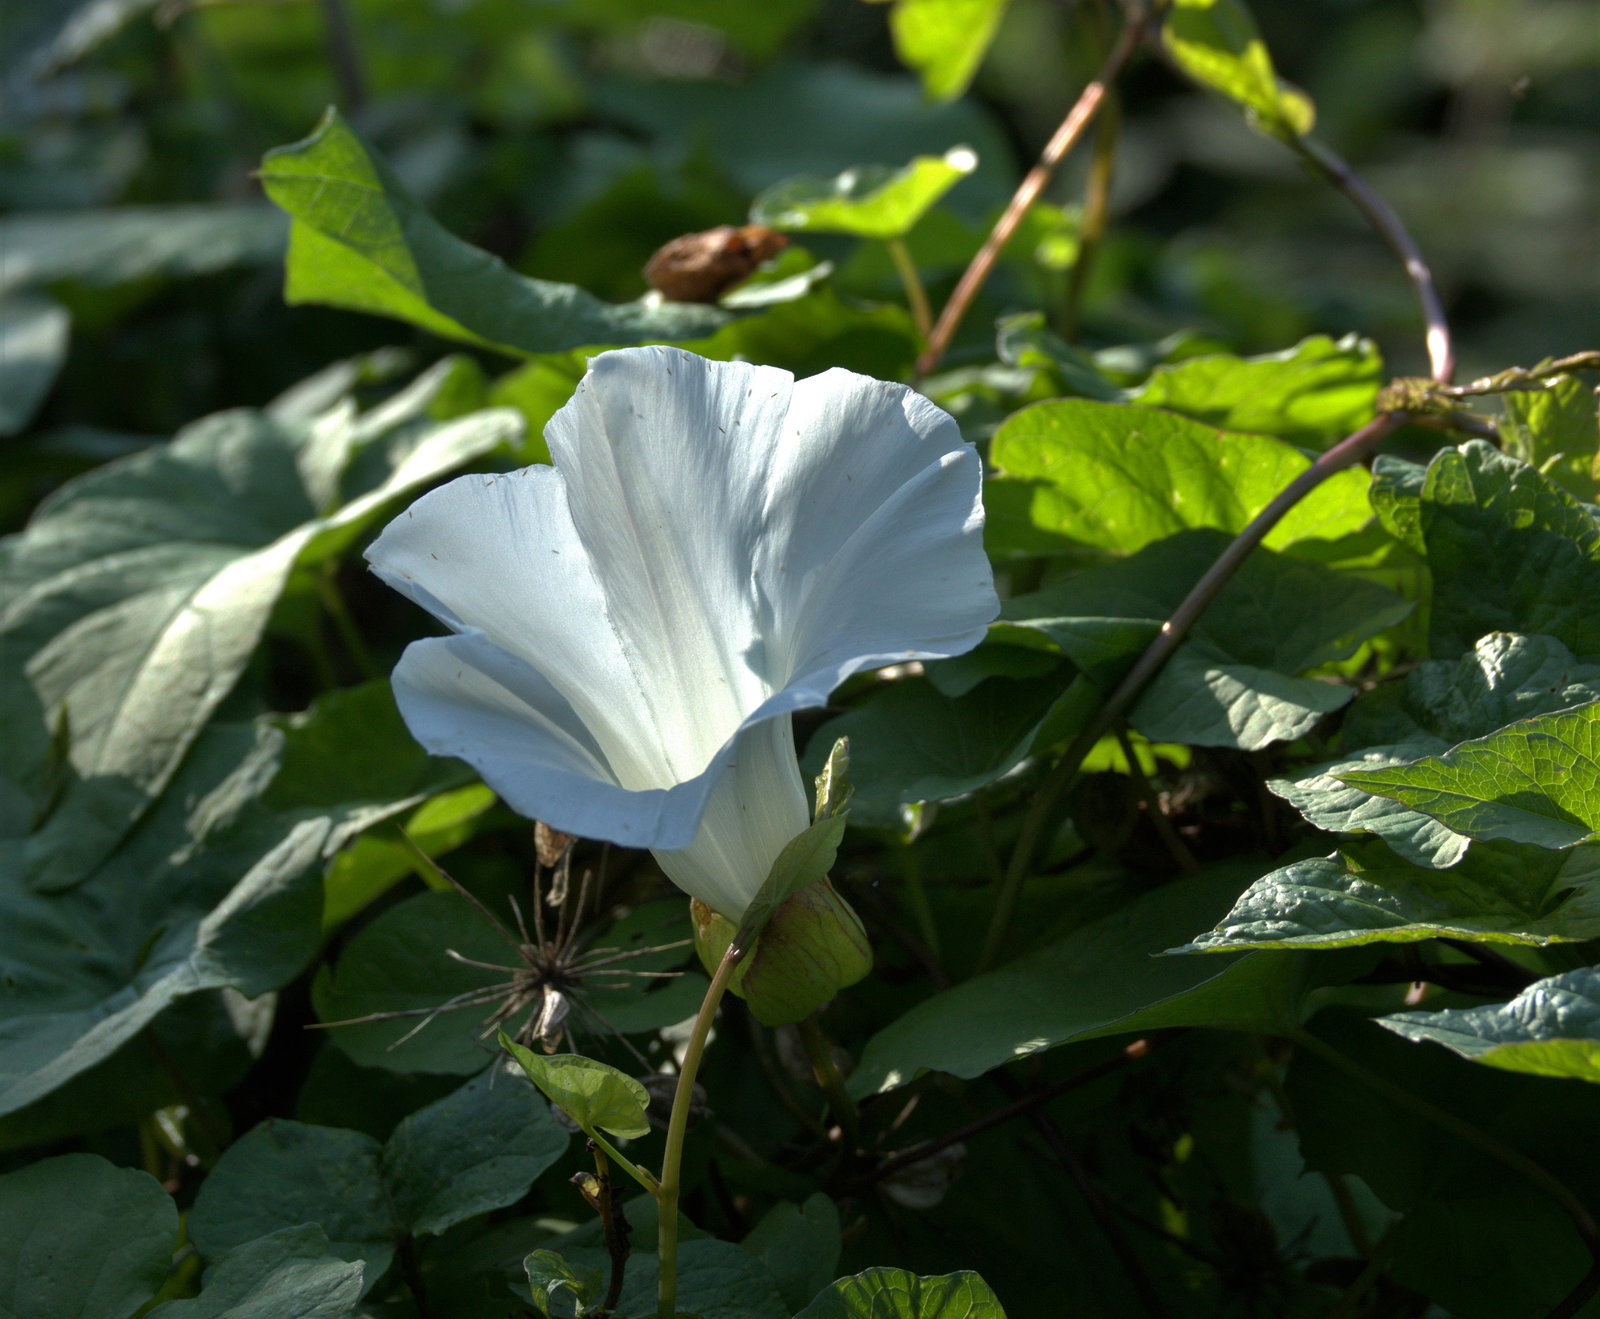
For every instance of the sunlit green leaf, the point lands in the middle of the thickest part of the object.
(1313, 394)
(944, 41)
(1536, 782)
(1505, 678)
(1556, 430)
(1115, 477)
(1217, 44)
(593, 1094)
(360, 242)
(1496, 893)
(870, 201)
(549, 1275)
(1552, 1028)
(82, 1239)
(895, 1294)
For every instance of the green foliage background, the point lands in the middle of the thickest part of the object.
(1287, 1004)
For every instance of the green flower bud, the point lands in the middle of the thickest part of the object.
(813, 947)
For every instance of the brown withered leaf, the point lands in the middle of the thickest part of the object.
(702, 267)
(550, 844)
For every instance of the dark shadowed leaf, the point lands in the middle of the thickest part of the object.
(1105, 979)
(910, 742)
(1232, 683)
(33, 345)
(800, 1246)
(283, 1174)
(82, 1239)
(119, 244)
(138, 592)
(476, 1150)
(716, 1280)
(213, 888)
(287, 1273)
(1510, 550)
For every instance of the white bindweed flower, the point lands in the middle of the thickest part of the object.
(716, 547)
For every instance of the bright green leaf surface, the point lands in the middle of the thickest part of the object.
(593, 1094)
(360, 242)
(287, 1273)
(1115, 477)
(896, 1294)
(1103, 980)
(944, 40)
(1217, 44)
(550, 1276)
(1313, 394)
(1332, 804)
(1552, 1028)
(82, 1239)
(1556, 430)
(282, 1174)
(1497, 893)
(139, 592)
(33, 345)
(870, 201)
(800, 1246)
(1510, 550)
(1537, 782)
(476, 1150)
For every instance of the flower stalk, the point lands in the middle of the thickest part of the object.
(666, 1192)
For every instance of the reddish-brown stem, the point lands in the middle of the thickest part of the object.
(1382, 217)
(1064, 138)
(1349, 451)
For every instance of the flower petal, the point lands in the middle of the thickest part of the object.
(874, 552)
(756, 808)
(498, 554)
(464, 696)
(666, 457)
